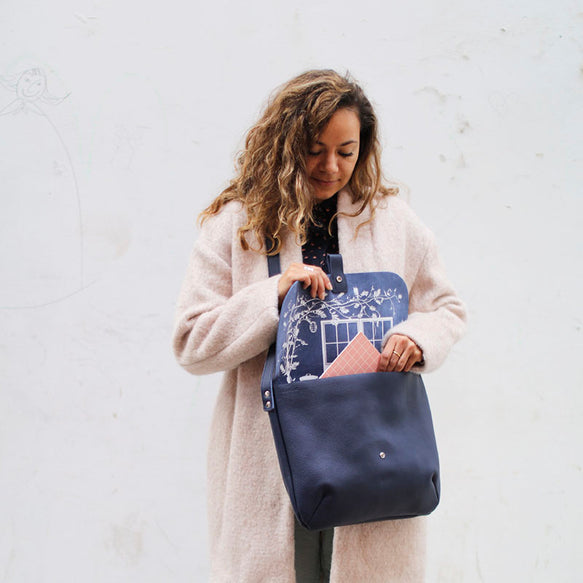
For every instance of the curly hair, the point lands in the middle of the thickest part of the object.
(271, 181)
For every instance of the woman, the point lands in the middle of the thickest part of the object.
(309, 180)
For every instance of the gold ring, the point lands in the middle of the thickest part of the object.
(395, 352)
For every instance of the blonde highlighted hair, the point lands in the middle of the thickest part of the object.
(271, 181)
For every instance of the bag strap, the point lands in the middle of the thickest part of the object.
(267, 380)
(335, 269)
(274, 267)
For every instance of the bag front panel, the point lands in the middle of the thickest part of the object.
(357, 448)
(313, 332)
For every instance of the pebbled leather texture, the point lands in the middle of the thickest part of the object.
(356, 448)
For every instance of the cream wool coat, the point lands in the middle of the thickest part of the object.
(227, 316)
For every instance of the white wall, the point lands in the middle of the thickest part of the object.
(103, 436)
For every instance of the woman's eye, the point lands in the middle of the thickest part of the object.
(343, 154)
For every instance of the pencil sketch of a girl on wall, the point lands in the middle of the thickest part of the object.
(41, 252)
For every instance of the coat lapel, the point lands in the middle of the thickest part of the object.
(357, 250)
(290, 251)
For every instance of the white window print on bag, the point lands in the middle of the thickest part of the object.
(337, 334)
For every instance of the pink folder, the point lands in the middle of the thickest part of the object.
(358, 357)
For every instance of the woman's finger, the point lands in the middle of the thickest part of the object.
(383, 362)
(388, 357)
(406, 348)
(396, 360)
(404, 358)
(310, 276)
(323, 285)
(318, 281)
(311, 282)
(307, 272)
(410, 362)
(400, 354)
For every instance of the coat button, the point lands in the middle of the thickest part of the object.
(267, 404)
(339, 278)
(382, 455)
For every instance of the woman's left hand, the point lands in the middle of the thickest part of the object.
(400, 354)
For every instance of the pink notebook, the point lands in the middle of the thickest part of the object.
(358, 357)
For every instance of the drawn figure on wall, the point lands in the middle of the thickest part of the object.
(41, 239)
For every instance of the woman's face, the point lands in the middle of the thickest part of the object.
(332, 157)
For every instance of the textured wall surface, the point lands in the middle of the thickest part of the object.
(118, 124)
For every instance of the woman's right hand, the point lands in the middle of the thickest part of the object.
(311, 276)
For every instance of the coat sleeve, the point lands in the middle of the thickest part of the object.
(216, 329)
(437, 316)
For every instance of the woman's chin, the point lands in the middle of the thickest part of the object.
(324, 193)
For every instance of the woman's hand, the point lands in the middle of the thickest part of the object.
(400, 354)
(310, 275)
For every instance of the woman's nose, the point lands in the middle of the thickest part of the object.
(330, 163)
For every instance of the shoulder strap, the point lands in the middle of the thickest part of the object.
(273, 263)
(274, 267)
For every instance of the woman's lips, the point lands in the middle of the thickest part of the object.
(325, 182)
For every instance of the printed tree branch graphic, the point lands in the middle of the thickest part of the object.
(308, 310)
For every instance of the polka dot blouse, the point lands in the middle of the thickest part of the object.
(320, 242)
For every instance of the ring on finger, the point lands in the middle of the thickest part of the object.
(309, 268)
(395, 352)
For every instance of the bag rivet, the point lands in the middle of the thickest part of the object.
(268, 404)
(266, 393)
(338, 278)
(382, 455)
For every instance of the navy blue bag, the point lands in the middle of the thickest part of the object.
(356, 448)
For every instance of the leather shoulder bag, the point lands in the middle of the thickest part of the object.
(355, 448)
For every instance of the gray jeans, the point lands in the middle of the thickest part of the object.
(313, 554)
